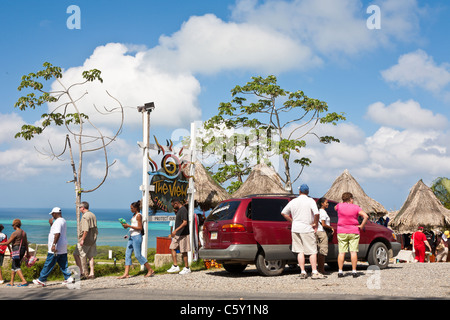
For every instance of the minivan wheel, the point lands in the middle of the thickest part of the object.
(269, 267)
(378, 255)
(234, 267)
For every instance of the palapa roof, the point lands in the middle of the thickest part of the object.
(261, 180)
(208, 193)
(346, 183)
(423, 208)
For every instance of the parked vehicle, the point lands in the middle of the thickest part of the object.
(251, 230)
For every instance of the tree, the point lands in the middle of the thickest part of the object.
(279, 127)
(441, 188)
(66, 113)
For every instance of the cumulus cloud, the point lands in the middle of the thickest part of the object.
(418, 69)
(333, 27)
(408, 114)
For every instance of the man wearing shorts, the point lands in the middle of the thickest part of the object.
(86, 248)
(304, 215)
(348, 231)
(180, 238)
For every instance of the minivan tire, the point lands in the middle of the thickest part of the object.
(378, 255)
(234, 267)
(269, 268)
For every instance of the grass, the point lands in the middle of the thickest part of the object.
(103, 266)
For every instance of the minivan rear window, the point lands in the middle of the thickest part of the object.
(224, 211)
(268, 209)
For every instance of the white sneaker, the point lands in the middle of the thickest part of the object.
(174, 269)
(69, 280)
(38, 282)
(2, 281)
(185, 271)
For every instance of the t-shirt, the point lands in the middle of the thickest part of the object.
(89, 225)
(302, 210)
(419, 239)
(323, 216)
(347, 218)
(3, 238)
(182, 215)
(58, 226)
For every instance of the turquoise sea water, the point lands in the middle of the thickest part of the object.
(36, 225)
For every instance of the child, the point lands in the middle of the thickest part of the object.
(3, 238)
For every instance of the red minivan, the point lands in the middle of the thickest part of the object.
(251, 230)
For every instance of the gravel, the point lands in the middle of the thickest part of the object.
(405, 280)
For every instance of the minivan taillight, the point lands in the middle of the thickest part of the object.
(233, 227)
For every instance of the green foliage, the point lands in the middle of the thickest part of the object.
(441, 188)
(289, 121)
(32, 101)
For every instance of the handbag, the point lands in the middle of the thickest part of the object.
(32, 259)
(15, 255)
(329, 232)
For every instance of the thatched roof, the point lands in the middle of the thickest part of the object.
(423, 208)
(261, 180)
(346, 183)
(207, 192)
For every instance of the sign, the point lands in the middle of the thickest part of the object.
(168, 180)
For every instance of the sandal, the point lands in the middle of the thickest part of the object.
(150, 274)
(22, 285)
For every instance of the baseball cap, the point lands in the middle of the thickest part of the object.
(304, 188)
(55, 209)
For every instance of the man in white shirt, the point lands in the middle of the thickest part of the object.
(57, 250)
(304, 215)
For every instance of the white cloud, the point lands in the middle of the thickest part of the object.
(207, 45)
(135, 81)
(333, 27)
(418, 69)
(408, 114)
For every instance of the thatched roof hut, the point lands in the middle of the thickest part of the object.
(346, 183)
(423, 208)
(208, 193)
(261, 180)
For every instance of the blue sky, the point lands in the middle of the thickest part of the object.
(392, 83)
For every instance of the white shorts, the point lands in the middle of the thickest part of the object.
(304, 243)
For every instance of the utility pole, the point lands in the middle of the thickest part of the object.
(191, 193)
(145, 187)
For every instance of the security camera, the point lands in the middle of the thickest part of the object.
(148, 107)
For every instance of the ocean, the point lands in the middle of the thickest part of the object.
(110, 231)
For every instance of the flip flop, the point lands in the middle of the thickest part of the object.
(22, 285)
(9, 285)
(149, 275)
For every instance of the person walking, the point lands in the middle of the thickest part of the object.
(57, 250)
(135, 242)
(321, 234)
(304, 215)
(442, 247)
(17, 242)
(3, 238)
(86, 248)
(419, 240)
(348, 231)
(180, 238)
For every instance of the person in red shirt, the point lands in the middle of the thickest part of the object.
(419, 241)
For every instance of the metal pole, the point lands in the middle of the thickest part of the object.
(191, 192)
(145, 187)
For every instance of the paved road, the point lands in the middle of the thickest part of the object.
(61, 293)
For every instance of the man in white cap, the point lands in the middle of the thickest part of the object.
(57, 250)
(304, 215)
